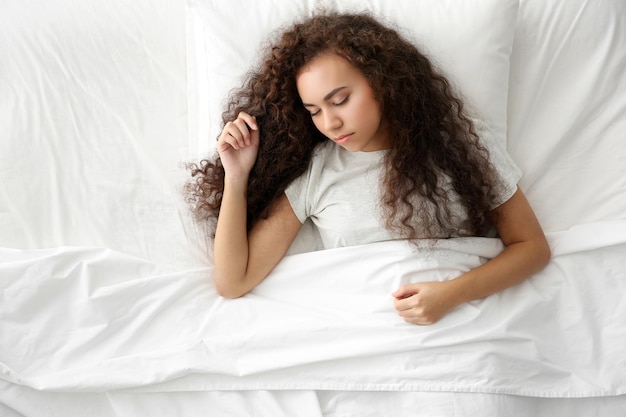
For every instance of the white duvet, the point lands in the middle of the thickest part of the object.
(92, 319)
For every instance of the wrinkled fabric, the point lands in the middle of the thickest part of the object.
(91, 319)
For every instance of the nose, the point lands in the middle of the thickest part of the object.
(331, 121)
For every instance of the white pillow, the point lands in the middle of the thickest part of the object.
(567, 110)
(469, 40)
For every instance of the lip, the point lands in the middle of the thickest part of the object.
(343, 138)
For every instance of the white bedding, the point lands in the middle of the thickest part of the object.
(107, 307)
(99, 320)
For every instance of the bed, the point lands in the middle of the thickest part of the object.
(108, 306)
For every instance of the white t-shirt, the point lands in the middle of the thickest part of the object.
(340, 193)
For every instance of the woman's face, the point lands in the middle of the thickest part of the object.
(342, 104)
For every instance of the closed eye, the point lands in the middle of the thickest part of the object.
(339, 103)
(343, 101)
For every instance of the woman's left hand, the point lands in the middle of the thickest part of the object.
(424, 302)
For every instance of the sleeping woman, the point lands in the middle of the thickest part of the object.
(349, 125)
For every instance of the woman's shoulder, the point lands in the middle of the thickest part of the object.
(508, 173)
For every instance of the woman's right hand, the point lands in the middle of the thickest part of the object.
(238, 145)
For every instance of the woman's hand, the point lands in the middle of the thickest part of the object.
(424, 302)
(238, 146)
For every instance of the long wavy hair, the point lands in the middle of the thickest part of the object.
(432, 135)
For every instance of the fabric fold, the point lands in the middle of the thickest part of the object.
(92, 319)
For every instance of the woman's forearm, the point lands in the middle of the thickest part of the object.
(513, 265)
(526, 252)
(231, 239)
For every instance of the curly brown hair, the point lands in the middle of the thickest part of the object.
(432, 135)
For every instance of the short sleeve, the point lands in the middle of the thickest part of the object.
(301, 192)
(508, 174)
(296, 195)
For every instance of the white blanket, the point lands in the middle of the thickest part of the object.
(91, 319)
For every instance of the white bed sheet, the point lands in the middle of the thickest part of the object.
(97, 320)
(567, 109)
(94, 127)
(22, 402)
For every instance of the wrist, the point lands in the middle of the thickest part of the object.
(235, 187)
(458, 291)
(237, 181)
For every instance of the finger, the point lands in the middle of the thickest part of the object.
(406, 291)
(249, 120)
(422, 319)
(405, 314)
(419, 321)
(232, 135)
(404, 304)
(415, 316)
(243, 132)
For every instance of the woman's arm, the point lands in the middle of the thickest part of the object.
(526, 252)
(243, 259)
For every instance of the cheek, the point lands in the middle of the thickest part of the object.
(316, 123)
(370, 115)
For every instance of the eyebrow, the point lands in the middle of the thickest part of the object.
(327, 96)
